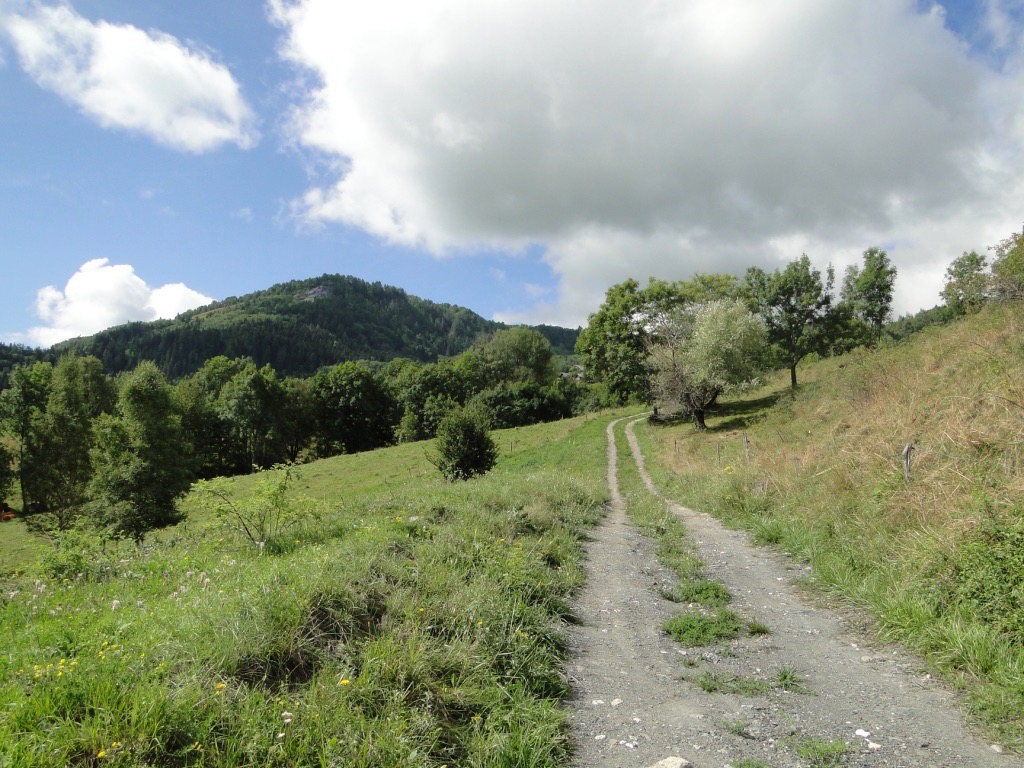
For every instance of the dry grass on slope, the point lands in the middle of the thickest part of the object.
(938, 560)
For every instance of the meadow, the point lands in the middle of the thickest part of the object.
(380, 617)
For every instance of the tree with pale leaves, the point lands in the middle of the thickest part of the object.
(696, 357)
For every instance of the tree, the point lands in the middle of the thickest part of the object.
(296, 420)
(615, 342)
(139, 468)
(7, 473)
(868, 289)
(205, 429)
(613, 345)
(426, 393)
(696, 358)
(353, 410)
(21, 407)
(794, 305)
(464, 447)
(966, 283)
(517, 354)
(251, 402)
(1008, 269)
(58, 466)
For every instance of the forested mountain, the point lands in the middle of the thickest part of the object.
(298, 327)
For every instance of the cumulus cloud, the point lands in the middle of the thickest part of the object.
(123, 77)
(645, 137)
(100, 295)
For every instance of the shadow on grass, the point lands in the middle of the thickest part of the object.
(740, 414)
(737, 414)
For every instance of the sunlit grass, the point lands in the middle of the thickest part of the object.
(406, 622)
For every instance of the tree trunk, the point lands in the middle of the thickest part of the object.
(792, 376)
(698, 419)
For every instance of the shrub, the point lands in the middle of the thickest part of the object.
(464, 446)
(266, 514)
(989, 575)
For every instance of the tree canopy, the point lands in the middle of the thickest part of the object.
(867, 289)
(795, 305)
(697, 357)
(140, 465)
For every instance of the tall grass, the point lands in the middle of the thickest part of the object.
(936, 560)
(405, 622)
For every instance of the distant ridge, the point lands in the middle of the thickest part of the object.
(298, 327)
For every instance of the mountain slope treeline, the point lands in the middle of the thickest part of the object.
(299, 327)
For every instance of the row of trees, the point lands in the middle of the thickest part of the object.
(684, 343)
(85, 446)
(971, 281)
(704, 329)
(119, 452)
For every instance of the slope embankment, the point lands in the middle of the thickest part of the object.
(805, 689)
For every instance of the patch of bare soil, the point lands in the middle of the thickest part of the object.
(636, 703)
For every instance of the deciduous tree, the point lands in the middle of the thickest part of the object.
(614, 344)
(868, 289)
(22, 405)
(1008, 269)
(794, 304)
(139, 468)
(353, 410)
(698, 357)
(966, 283)
(464, 446)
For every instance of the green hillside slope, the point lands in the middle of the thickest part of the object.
(298, 327)
(937, 559)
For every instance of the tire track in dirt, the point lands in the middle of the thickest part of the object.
(632, 705)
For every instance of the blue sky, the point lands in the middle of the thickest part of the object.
(516, 158)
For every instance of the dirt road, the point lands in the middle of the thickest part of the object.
(634, 704)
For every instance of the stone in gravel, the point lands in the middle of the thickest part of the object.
(616, 702)
(672, 762)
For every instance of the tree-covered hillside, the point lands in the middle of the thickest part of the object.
(16, 354)
(299, 327)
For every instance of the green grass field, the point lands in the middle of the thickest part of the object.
(400, 621)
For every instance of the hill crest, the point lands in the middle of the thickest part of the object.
(298, 327)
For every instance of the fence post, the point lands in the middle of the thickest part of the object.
(909, 449)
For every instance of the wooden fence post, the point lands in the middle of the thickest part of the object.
(909, 449)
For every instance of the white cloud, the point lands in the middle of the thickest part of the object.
(123, 77)
(646, 137)
(100, 295)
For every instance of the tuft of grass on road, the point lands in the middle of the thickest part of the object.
(695, 629)
(820, 753)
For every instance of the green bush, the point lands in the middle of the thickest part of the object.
(989, 575)
(464, 447)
